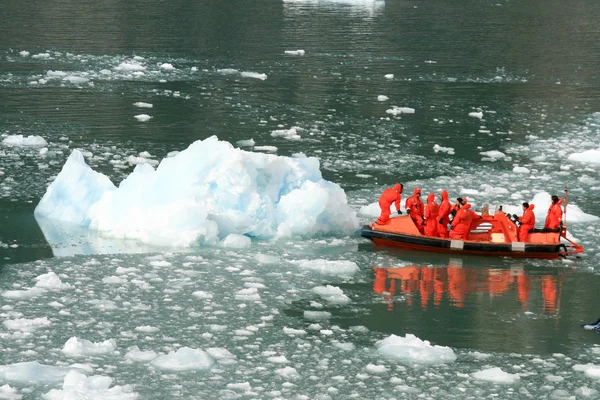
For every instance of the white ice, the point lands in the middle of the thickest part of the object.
(412, 350)
(184, 359)
(331, 294)
(330, 267)
(290, 134)
(254, 75)
(494, 154)
(588, 156)
(79, 386)
(25, 141)
(395, 110)
(496, 375)
(200, 195)
(475, 114)
(143, 117)
(295, 52)
(32, 371)
(45, 282)
(142, 104)
(382, 97)
(81, 347)
(437, 148)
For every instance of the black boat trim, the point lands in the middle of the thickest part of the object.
(367, 232)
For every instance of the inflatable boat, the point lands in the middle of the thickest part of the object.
(490, 235)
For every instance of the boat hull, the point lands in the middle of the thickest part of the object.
(431, 244)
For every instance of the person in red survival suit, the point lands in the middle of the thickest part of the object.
(431, 216)
(443, 215)
(554, 217)
(415, 208)
(527, 221)
(388, 197)
(461, 224)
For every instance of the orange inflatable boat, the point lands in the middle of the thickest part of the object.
(490, 235)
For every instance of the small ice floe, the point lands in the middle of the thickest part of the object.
(268, 149)
(246, 143)
(201, 294)
(493, 154)
(24, 141)
(236, 241)
(521, 170)
(495, 375)
(375, 369)
(476, 114)
(130, 66)
(389, 76)
(395, 110)
(288, 372)
(24, 53)
(254, 75)
(32, 371)
(331, 294)
(82, 347)
(293, 332)
(184, 359)
(437, 148)
(248, 294)
(370, 210)
(588, 156)
(294, 52)
(26, 325)
(382, 97)
(141, 104)
(143, 117)
(45, 282)
(167, 67)
(316, 315)
(290, 134)
(412, 350)
(79, 386)
(333, 267)
(133, 160)
(41, 56)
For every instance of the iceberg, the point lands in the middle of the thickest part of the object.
(200, 196)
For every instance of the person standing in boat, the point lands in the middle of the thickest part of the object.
(415, 208)
(555, 213)
(431, 216)
(456, 207)
(443, 215)
(388, 197)
(461, 224)
(527, 221)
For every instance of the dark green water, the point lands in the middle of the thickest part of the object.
(530, 67)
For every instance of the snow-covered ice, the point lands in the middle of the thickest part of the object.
(412, 350)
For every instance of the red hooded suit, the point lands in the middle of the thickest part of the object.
(388, 197)
(461, 224)
(431, 216)
(554, 216)
(443, 214)
(527, 223)
(414, 206)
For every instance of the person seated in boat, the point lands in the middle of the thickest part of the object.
(456, 207)
(444, 215)
(555, 213)
(461, 224)
(388, 197)
(415, 208)
(431, 216)
(527, 221)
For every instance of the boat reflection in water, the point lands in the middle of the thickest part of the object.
(457, 283)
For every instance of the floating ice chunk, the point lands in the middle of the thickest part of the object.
(332, 267)
(496, 375)
(267, 259)
(371, 210)
(141, 104)
(332, 294)
(25, 141)
(375, 369)
(235, 241)
(42, 56)
(437, 148)
(586, 392)
(293, 332)
(130, 66)
(588, 156)
(476, 114)
(382, 97)
(9, 393)
(24, 53)
(167, 67)
(248, 294)
(389, 76)
(317, 315)
(228, 71)
(277, 360)
(254, 75)
(137, 355)
(32, 371)
(521, 170)
(133, 160)
(184, 359)
(78, 386)
(246, 143)
(200, 195)
(143, 117)
(295, 52)
(82, 347)
(146, 329)
(290, 134)
(202, 295)
(268, 149)
(412, 350)
(495, 154)
(244, 386)
(288, 372)
(26, 325)
(395, 110)
(77, 80)
(221, 355)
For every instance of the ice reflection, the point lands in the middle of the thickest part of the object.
(457, 283)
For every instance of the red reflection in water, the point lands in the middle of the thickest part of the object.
(456, 283)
